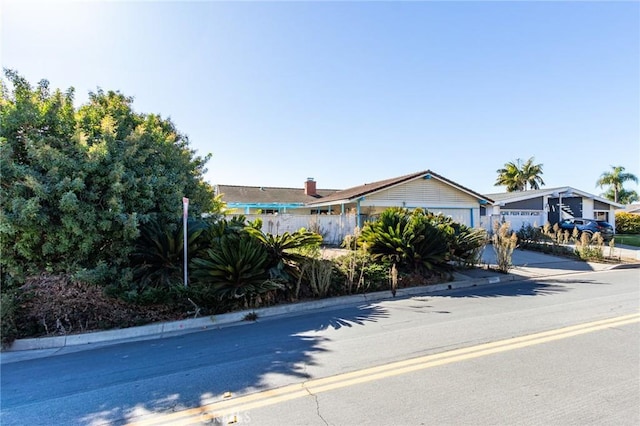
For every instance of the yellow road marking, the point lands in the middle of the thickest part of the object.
(286, 393)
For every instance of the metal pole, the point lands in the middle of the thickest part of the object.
(560, 207)
(185, 205)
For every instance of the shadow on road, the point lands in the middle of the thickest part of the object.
(539, 287)
(514, 289)
(175, 373)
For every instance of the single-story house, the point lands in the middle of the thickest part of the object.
(270, 200)
(537, 207)
(632, 208)
(335, 213)
(425, 189)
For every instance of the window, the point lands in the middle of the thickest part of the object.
(602, 216)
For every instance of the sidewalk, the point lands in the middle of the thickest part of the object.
(531, 264)
(527, 265)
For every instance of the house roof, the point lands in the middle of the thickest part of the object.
(352, 194)
(632, 208)
(268, 195)
(533, 193)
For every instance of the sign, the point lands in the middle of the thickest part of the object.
(519, 213)
(185, 205)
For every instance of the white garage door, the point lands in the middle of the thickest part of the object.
(459, 215)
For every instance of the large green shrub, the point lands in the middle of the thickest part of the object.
(427, 246)
(627, 223)
(77, 183)
(408, 240)
(286, 251)
(8, 307)
(235, 268)
(465, 244)
(158, 255)
(357, 272)
(385, 237)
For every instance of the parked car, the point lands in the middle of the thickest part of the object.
(590, 226)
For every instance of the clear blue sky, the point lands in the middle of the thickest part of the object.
(354, 92)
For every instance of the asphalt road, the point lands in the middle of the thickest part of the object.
(560, 350)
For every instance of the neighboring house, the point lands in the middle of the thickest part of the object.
(632, 208)
(537, 207)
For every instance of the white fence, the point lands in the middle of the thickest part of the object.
(333, 228)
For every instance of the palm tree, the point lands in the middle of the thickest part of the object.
(517, 176)
(509, 176)
(615, 180)
(624, 196)
(531, 174)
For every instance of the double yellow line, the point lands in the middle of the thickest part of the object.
(226, 409)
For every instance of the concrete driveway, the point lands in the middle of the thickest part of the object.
(527, 263)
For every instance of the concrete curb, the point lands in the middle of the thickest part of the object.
(166, 329)
(624, 266)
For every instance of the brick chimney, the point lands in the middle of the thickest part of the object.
(310, 187)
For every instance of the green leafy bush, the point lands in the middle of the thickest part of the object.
(529, 235)
(158, 256)
(357, 272)
(235, 268)
(590, 247)
(78, 182)
(627, 223)
(465, 244)
(386, 237)
(318, 274)
(286, 253)
(408, 239)
(428, 248)
(8, 307)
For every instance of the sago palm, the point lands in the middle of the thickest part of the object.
(234, 268)
(283, 250)
(158, 255)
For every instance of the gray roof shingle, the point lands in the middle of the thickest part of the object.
(269, 195)
(368, 188)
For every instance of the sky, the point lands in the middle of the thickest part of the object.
(351, 92)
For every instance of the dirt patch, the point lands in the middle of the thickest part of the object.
(332, 253)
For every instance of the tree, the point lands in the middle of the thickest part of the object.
(624, 196)
(518, 176)
(509, 176)
(616, 179)
(77, 183)
(531, 173)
